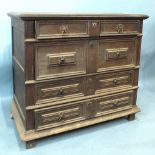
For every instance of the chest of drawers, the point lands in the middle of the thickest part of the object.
(73, 71)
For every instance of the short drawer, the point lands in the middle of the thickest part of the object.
(60, 59)
(119, 27)
(60, 29)
(59, 90)
(114, 103)
(57, 116)
(116, 53)
(115, 80)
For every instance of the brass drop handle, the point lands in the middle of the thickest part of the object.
(89, 105)
(120, 28)
(115, 82)
(115, 104)
(91, 109)
(63, 29)
(117, 54)
(62, 61)
(61, 91)
(60, 116)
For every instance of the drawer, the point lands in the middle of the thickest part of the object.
(60, 59)
(57, 116)
(116, 53)
(59, 90)
(114, 81)
(87, 109)
(60, 29)
(114, 103)
(120, 27)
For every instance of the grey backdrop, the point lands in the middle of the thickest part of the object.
(134, 137)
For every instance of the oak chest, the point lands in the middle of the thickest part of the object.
(72, 71)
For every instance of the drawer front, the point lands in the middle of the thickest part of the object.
(113, 81)
(60, 115)
(119, 27)
(114, 103)
(59, 90)
(116, 53)
(60, 59)
(87, 109)
(61, 29)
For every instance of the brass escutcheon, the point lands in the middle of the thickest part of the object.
(64, 29)
(120, 28)
(94, 24)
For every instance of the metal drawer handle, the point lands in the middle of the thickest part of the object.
(61, 91)
(115, 104)
(62, 61)
(115, 82)
(120, 28)
(64, 29)
(90, 105)
(117, 54)
(60, 116)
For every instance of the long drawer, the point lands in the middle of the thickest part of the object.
(87, 109)
(57, 59)
(79, 87)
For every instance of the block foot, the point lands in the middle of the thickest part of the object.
(11, 116)
(131, 117)
(30, 144)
